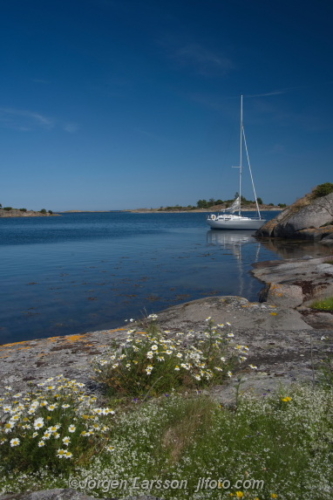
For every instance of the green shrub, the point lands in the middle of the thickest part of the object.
(323, 190)
(23, 209)
(50, 212)
(151, 363)
(52, 427)
(43, 211)
(8, 208)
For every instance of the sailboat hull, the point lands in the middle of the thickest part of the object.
(234, 222)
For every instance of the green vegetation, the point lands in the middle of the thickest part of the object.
(323, 190)
(176, 208)
(211, 202)
(8, 209)
(149, 363)
(208, 204)
(323, 305)
(177, 445)
(50, 426)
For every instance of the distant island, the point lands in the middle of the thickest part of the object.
(214, 206)
(23, 212)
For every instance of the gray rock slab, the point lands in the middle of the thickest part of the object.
(305, 219)
(236, 310)
(318, 213)
(313, 276)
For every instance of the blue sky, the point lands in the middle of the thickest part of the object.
(115, 104)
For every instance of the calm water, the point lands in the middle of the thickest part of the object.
(91, 271)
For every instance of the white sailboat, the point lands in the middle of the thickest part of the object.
(224, 220)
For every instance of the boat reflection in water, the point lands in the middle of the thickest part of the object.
(235, 242)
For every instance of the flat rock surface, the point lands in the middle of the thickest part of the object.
(236, 310)
(284, 352)
(286, 344)
(297, 283)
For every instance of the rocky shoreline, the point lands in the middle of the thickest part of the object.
(16, 212)
(287, 340)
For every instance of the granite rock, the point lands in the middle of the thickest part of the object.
(308, 218)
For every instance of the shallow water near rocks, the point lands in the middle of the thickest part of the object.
(81, 272)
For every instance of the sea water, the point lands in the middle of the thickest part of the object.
(80, 272)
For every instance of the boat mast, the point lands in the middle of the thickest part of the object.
(240, 155)
(248, 159)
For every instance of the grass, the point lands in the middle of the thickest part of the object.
(323, 305)
(175, 445)
(323, 190)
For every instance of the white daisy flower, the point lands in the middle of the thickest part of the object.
(152, 316)
(108, 411)
(14, 442)
(39, 423)
(52, 407)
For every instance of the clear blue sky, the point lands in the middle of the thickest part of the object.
(115, 104)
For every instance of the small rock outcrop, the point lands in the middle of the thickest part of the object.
(310, 218)
(297, 283)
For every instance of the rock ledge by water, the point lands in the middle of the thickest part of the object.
(308, 218)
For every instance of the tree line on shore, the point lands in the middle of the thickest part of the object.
(8, 209)
(212, 202)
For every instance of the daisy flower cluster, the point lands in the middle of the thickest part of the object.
(154, 361)
(50, 423)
